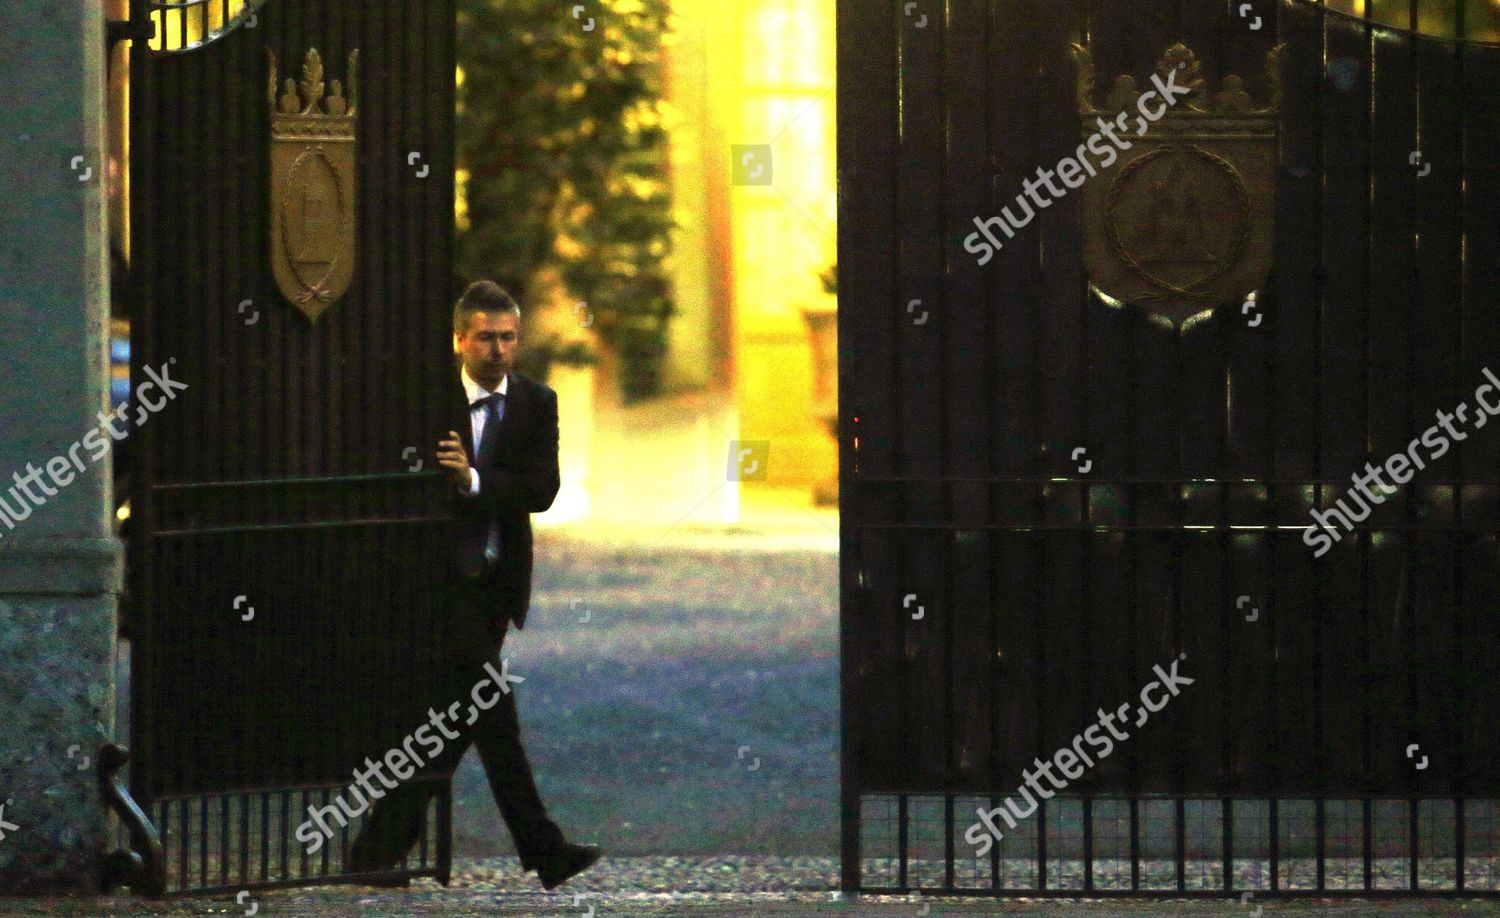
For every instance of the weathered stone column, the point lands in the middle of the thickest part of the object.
(60, 565)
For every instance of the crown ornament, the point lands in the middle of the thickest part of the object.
(306, 109)
(1232, 100)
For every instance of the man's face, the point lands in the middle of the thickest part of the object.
(489, 345)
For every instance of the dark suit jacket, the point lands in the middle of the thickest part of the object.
(521, 479)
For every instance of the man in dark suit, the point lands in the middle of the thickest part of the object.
(510, 428)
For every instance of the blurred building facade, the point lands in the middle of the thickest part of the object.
(753, 76)
(751, 93)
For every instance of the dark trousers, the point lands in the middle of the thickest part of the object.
(395, 823)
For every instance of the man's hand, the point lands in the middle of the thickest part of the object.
(453, 459)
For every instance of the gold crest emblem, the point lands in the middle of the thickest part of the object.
(1184, 219)
(312, 185)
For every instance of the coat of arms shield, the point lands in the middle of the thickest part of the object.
(312, 185)
(1184, 219)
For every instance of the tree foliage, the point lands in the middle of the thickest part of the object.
(560, 132)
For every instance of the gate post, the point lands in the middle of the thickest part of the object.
(60, 564)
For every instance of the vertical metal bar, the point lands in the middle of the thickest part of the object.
(1041, 844)
(1039, 706)
(302, 848)
(1228, 842)
(265, 836)
(1320, 834)
(1088, 841)
(244, 838)
(901, 839)
(1180, 821)
(1410, 539)
(995, 853)
(1459, 833)
(183, 878)
(286, 862)
(1460, 32)
(1415, 839)
(948, 875)
(1320, 296)
(165, 820)
(1369, 843)
(1041, 542)
(1320, 762)
(1273, 543)
(224, 829)
(1131, 606)
(203, 840)
(1135, 843)
(445, 833)
(1275, 844)
(1086, 413)
(326, 797)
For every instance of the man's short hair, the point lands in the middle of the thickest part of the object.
(482, 296)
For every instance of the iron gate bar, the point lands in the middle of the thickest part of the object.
(1273, 882)
(252, 484)
(198, 879)
(1041, 843)
(1309, 610)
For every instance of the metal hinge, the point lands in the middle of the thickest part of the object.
(141, 866)
(118, 30)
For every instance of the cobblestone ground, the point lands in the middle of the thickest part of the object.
(662, 886)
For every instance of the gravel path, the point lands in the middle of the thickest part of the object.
(649, 671)
(686, 886)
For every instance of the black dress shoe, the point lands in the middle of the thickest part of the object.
(357, 864)
(567, 862)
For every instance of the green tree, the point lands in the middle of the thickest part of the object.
(560, 130)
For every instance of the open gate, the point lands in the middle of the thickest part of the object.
(287, 521)
(1049, 490)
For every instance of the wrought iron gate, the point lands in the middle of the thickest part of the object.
(286, 534)
(1048, 491)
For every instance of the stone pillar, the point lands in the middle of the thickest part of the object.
(60, 564)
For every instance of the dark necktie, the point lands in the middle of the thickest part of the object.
(494, 405)
(484, 452)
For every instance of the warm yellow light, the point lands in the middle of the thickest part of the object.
(188, 25)
(461, 199)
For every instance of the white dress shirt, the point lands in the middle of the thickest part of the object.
(478, 416)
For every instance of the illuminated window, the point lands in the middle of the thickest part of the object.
(1436, 18)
